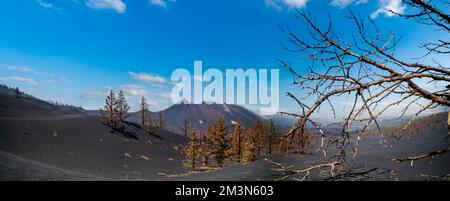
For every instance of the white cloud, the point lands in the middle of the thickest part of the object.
(361, 2)
(386, 6)
(161, 3)
(345, 3)
(341, 3)
(273, 4)
(45, 4)
(295, 3)
(19, 79)
(145, 77)
(290, 4)
(18, 68)
(117, 5)
(134, 90)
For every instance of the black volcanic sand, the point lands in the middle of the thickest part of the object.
(373, 157)
(82, 148)
(79, 147)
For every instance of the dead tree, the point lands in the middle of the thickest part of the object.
(184, 129)
(161, 122)
(144, 111)
(362, 69)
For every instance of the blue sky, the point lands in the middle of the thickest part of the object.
(73, 51)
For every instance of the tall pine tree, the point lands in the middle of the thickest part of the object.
(122, 106)
(219, 145)
(270, 136)
(235, 149)
(108, 114)
(144, 111)
(191, 151)
(250, 146)
(204, 149)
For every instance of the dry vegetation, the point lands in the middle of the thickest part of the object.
(364, 68)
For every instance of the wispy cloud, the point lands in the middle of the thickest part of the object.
(134, 90)
(290, 4)
(18, 68)
(345, 3)
(387, 7)
(118, 5)
(19, 79)
(44, 4)
(160, 3)
(145, 77)
(24, 70)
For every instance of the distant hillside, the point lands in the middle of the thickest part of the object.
(200, 116)
(420, 125)
(283, 122)
(13, 104)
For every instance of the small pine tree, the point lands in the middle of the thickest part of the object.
(150, 124)
(235, 150)
(250, 146)
(122, 106)
(108, 112)
(191, 151)
(144, 111)
(161, 121)
(203, 149)
(271, 135)
(219, 144)
(257, 132)
(17, 93)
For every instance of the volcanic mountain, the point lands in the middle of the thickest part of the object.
(200, 116)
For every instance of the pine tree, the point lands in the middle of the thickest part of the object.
(203, 149)
(122, 106)
(161, 121)
(184, 128)
(191, 151)
(108, 113)
(235, 150)
(17, 93)
(271, 135)
(144, 111)
(257, 133)
(219, 144)
(250, 146)
(150, 124)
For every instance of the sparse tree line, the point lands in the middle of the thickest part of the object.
(211, 148)
(22, 95)
(116, 111)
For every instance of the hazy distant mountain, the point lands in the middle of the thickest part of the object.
(283, 122)
(200, 116)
